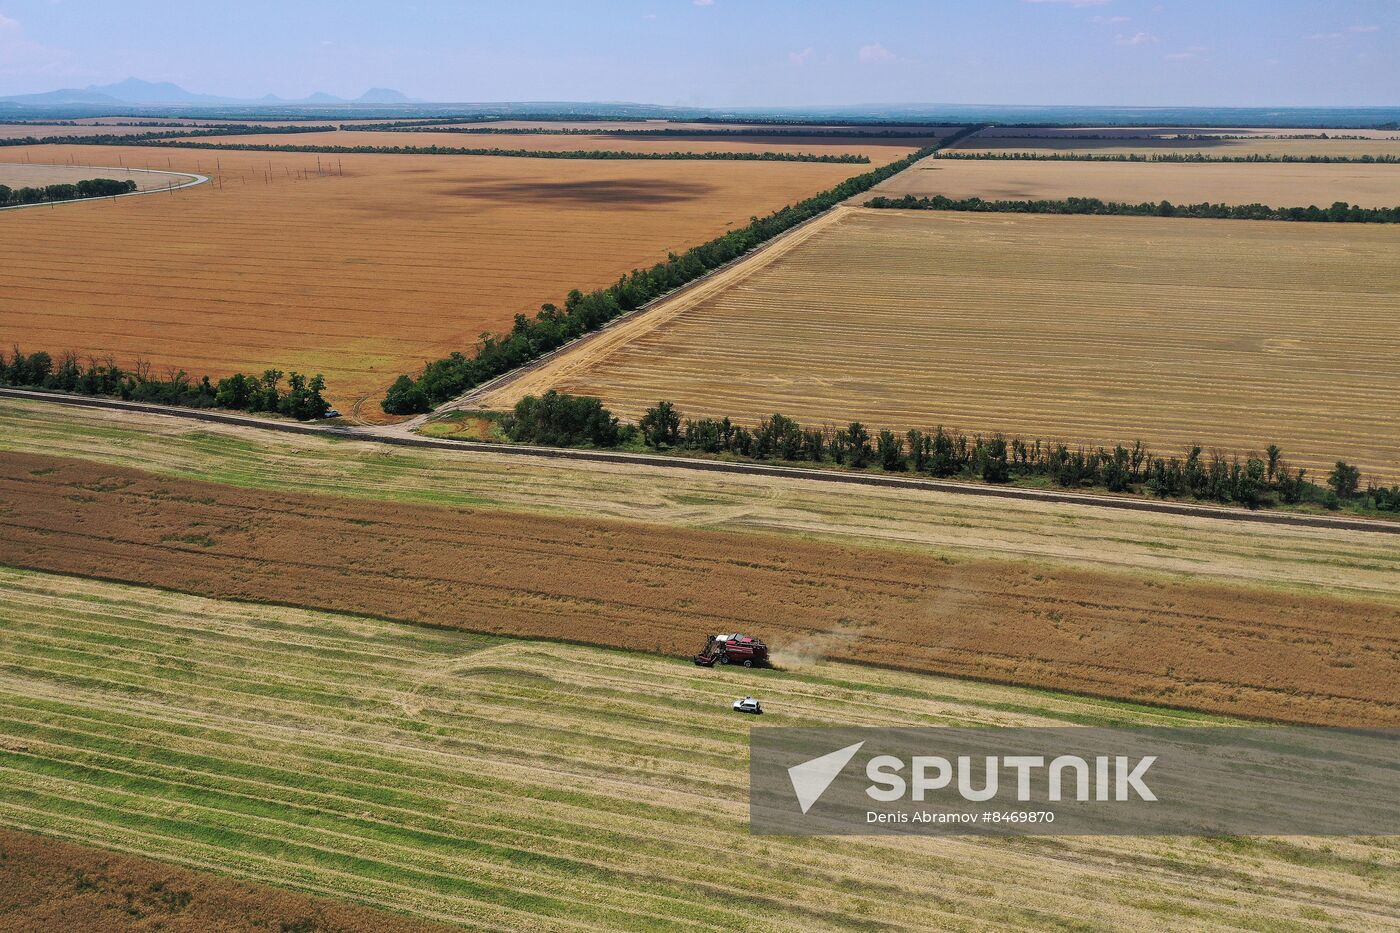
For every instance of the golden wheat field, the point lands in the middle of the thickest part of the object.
(624, 126)
(1275, 184)
(1310, 560)
(357, 266)
(1080, 329)
(1215, 143)
(21, 174)
(879, 150)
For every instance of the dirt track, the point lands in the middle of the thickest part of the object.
(1214, 647)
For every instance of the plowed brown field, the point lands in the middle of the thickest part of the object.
(879, 150)
(1207, 646)
(48, 885)
(1275, 184)
(1077, 329)
(361, 275)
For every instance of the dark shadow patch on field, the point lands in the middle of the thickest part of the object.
(619, 191)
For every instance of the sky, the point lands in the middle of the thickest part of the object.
(725, 53)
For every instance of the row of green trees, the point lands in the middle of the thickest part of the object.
(1339, 212)
(300, 398)
(1163, 157)
(553, 327)
(87, 188)
(1253, 482)
(660, 132)
(136, 139)
(844, 158)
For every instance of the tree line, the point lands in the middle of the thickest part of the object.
(845, 158)
(301, 397)
(796, 132)
(135, 139)
(1339, 212)
(560, 420)
(87, 188)
(1191, 157)
(552, 327)
(759, 124)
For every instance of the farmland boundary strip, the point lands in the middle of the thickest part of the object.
(382, 435)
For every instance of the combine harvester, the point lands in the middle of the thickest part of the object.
(733, 649)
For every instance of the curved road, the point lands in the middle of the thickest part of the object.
(194, 179)
(378, 434)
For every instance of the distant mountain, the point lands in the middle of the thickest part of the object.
(136, 91)
(165, 94)
(69, 95)
(382, 95)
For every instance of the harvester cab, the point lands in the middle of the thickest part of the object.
(733, 649)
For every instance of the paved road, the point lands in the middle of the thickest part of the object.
(372, 434)
(192, 179)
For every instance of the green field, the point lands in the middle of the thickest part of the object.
(1320, 560)
(527, 785)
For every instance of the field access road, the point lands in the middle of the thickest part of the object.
(190, 180)
(385, 434)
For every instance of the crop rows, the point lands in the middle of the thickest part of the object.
(1220, 648)
(1310, 559)
(1278, 185)
(1013, 140)
(507, 784)
(356, 266)
(879, 151)
(1074, 329)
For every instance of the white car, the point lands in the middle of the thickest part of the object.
(748, 705)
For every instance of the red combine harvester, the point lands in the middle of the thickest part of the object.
(733, 649)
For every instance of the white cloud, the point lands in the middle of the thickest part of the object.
(875, 54)
(1324, 36)
(1137, 38)
(21, 58)
(704, 2)
(1109, 20)
(802, 57)
(1367, 28)
(1072, 2)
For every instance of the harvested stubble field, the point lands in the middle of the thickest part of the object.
(879, 151)
(41, 130)
(48, 885)
(1216, 149)
(1237, 650)
(1275, 184)
(361, 275)
(508, 785)
(1076, 329)
(1315, 561)
(1162, 141)
(680, 125)
(22, 174)
(1139, 132)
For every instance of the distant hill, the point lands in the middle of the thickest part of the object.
(165, 94)
(69, 95)
(382, 95)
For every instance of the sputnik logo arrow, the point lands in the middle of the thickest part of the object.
(811, 778)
